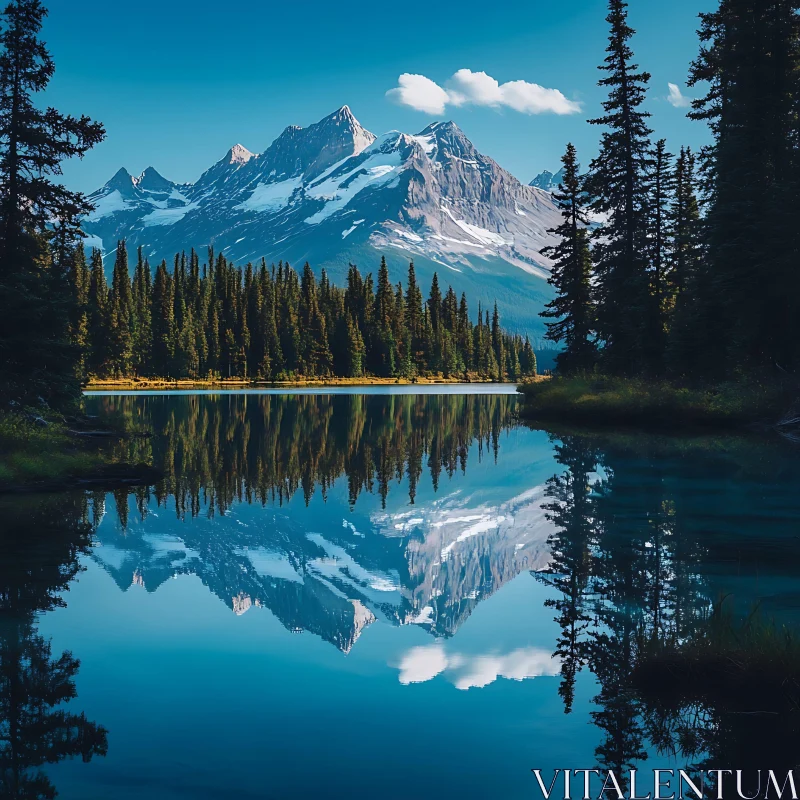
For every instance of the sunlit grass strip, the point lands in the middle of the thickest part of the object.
(604, 400)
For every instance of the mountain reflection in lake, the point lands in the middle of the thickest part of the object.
(460, 582)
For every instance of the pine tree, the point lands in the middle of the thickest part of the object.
(572, 309)
(142, 331)
(661, 192)
(79, 318)
(120, 315)
(465, 339)
(750, 60)
(435, 303)
(316, 355)
(37, 356)
(163, 323)
(384, 349)
(414, 322)
(355, 350)
(98, 316)
(498, 347)
(527, 360)
(690, 282)
(618, 186)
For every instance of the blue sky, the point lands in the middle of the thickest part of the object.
(178, 82)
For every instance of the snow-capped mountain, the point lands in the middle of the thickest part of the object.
(547, 181)
(334, 193)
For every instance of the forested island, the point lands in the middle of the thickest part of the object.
(684, 304)
(268, 323)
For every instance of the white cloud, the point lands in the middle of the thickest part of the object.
(479, 89)
(420, 93)
(677, 98)
(421, 664)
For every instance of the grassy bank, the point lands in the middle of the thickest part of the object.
(47, 453)
(600, 400)
(230, 383)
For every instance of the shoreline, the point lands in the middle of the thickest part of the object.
(358, 385)
(246, 383)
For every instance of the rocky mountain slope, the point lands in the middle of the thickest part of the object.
(334, 193)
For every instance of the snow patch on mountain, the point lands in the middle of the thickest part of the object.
(271, 196)
(109, 204)
(167, 216)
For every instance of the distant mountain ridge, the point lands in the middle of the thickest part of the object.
(333, 193)
(547, 181)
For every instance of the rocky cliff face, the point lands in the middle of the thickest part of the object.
(333, 193)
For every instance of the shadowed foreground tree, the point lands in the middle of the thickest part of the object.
(572, 310)
(39, 219)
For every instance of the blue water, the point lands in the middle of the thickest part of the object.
(276, 618)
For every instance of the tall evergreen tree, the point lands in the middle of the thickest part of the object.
(659, 238)
(37, 356)
(163, 317)
(690, 282)
(98, 316)
(618, 186)
(572, 310)
(120, 308)
(142, 325)
(384, 350)
(79, 320)
(750, 59)
(414, 322)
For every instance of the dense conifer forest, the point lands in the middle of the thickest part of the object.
(694, 272)
(269, 323)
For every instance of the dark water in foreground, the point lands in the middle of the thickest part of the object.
(378, 596)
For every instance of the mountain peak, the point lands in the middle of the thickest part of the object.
(343, 113)
(238, 154)
(152, 181)
(547, 181)
(122, 181)
(442, 128)
(449, 140)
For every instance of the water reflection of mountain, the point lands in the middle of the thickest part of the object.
(429, 563)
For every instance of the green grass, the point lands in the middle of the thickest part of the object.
(31, 452)
(600, 399)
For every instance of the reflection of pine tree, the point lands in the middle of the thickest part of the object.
(625, 566)
(570, 512)
(35, 727)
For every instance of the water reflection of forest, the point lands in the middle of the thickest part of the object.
(649, 535)
(217, 450)
(40, 545)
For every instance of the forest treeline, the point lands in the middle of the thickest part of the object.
(271, 323)
(694, 269)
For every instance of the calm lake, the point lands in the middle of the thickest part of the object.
(376, 594)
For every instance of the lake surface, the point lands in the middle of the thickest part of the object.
(349, 594)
